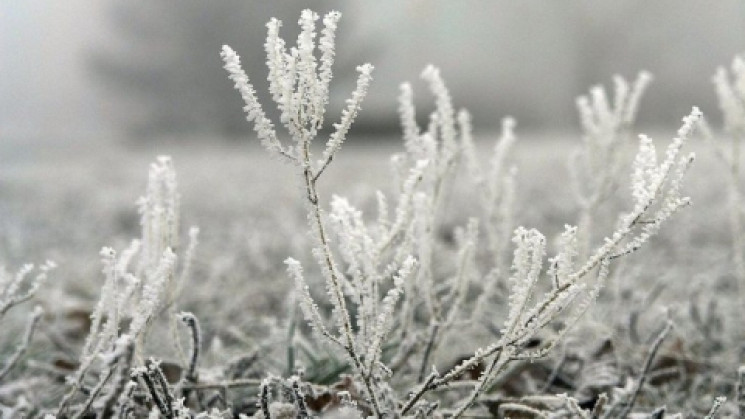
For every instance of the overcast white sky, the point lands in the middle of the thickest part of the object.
(42, 78)
(44, 87)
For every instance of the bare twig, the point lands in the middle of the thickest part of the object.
(192, 323)
(428, 350)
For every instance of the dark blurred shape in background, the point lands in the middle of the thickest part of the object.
(165, 69)
(151, 69)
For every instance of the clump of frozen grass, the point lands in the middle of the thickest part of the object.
(139, 284)
(730, 90)
(596, 166)
(21, 286)
(393, 261)
(14, 290)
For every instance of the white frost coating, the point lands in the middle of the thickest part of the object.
(254, 112)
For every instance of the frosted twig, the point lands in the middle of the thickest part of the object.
(25, 342)
(740, 391)
(11, 293)
(264, 399)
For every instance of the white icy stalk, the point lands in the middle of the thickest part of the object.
(563, 264)
(730, 89)
(307, 304)
(11, 293)
(159, 215)
(306, 73)
(528, 262)
(384, 319)
(153, 293)
(444, 105)
(254, 112)
(327, 46)
(637, 91)
(407, 115)
(348, 115)
(276, 62)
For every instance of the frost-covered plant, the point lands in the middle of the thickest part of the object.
(388, 287)
(656, 196)
(730, 89)
(299, 86)
(596, 166)
(16, 289)
(434, 156)
(139, 284)
(497, 186)
(21, 286)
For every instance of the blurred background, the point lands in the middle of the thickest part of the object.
(135, 71)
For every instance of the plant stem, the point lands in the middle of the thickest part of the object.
(328, 259)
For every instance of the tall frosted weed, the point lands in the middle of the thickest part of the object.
(730, 90)
(396, 262)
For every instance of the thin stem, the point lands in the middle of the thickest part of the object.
(196, 341)
(310, 184)
(323, 167)
(428, 350)
(94, 393)
(23, 346)
(497, 364)
(645, 370)
(428, 385)
(15, 300)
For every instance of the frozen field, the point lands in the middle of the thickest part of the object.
(65, 202)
